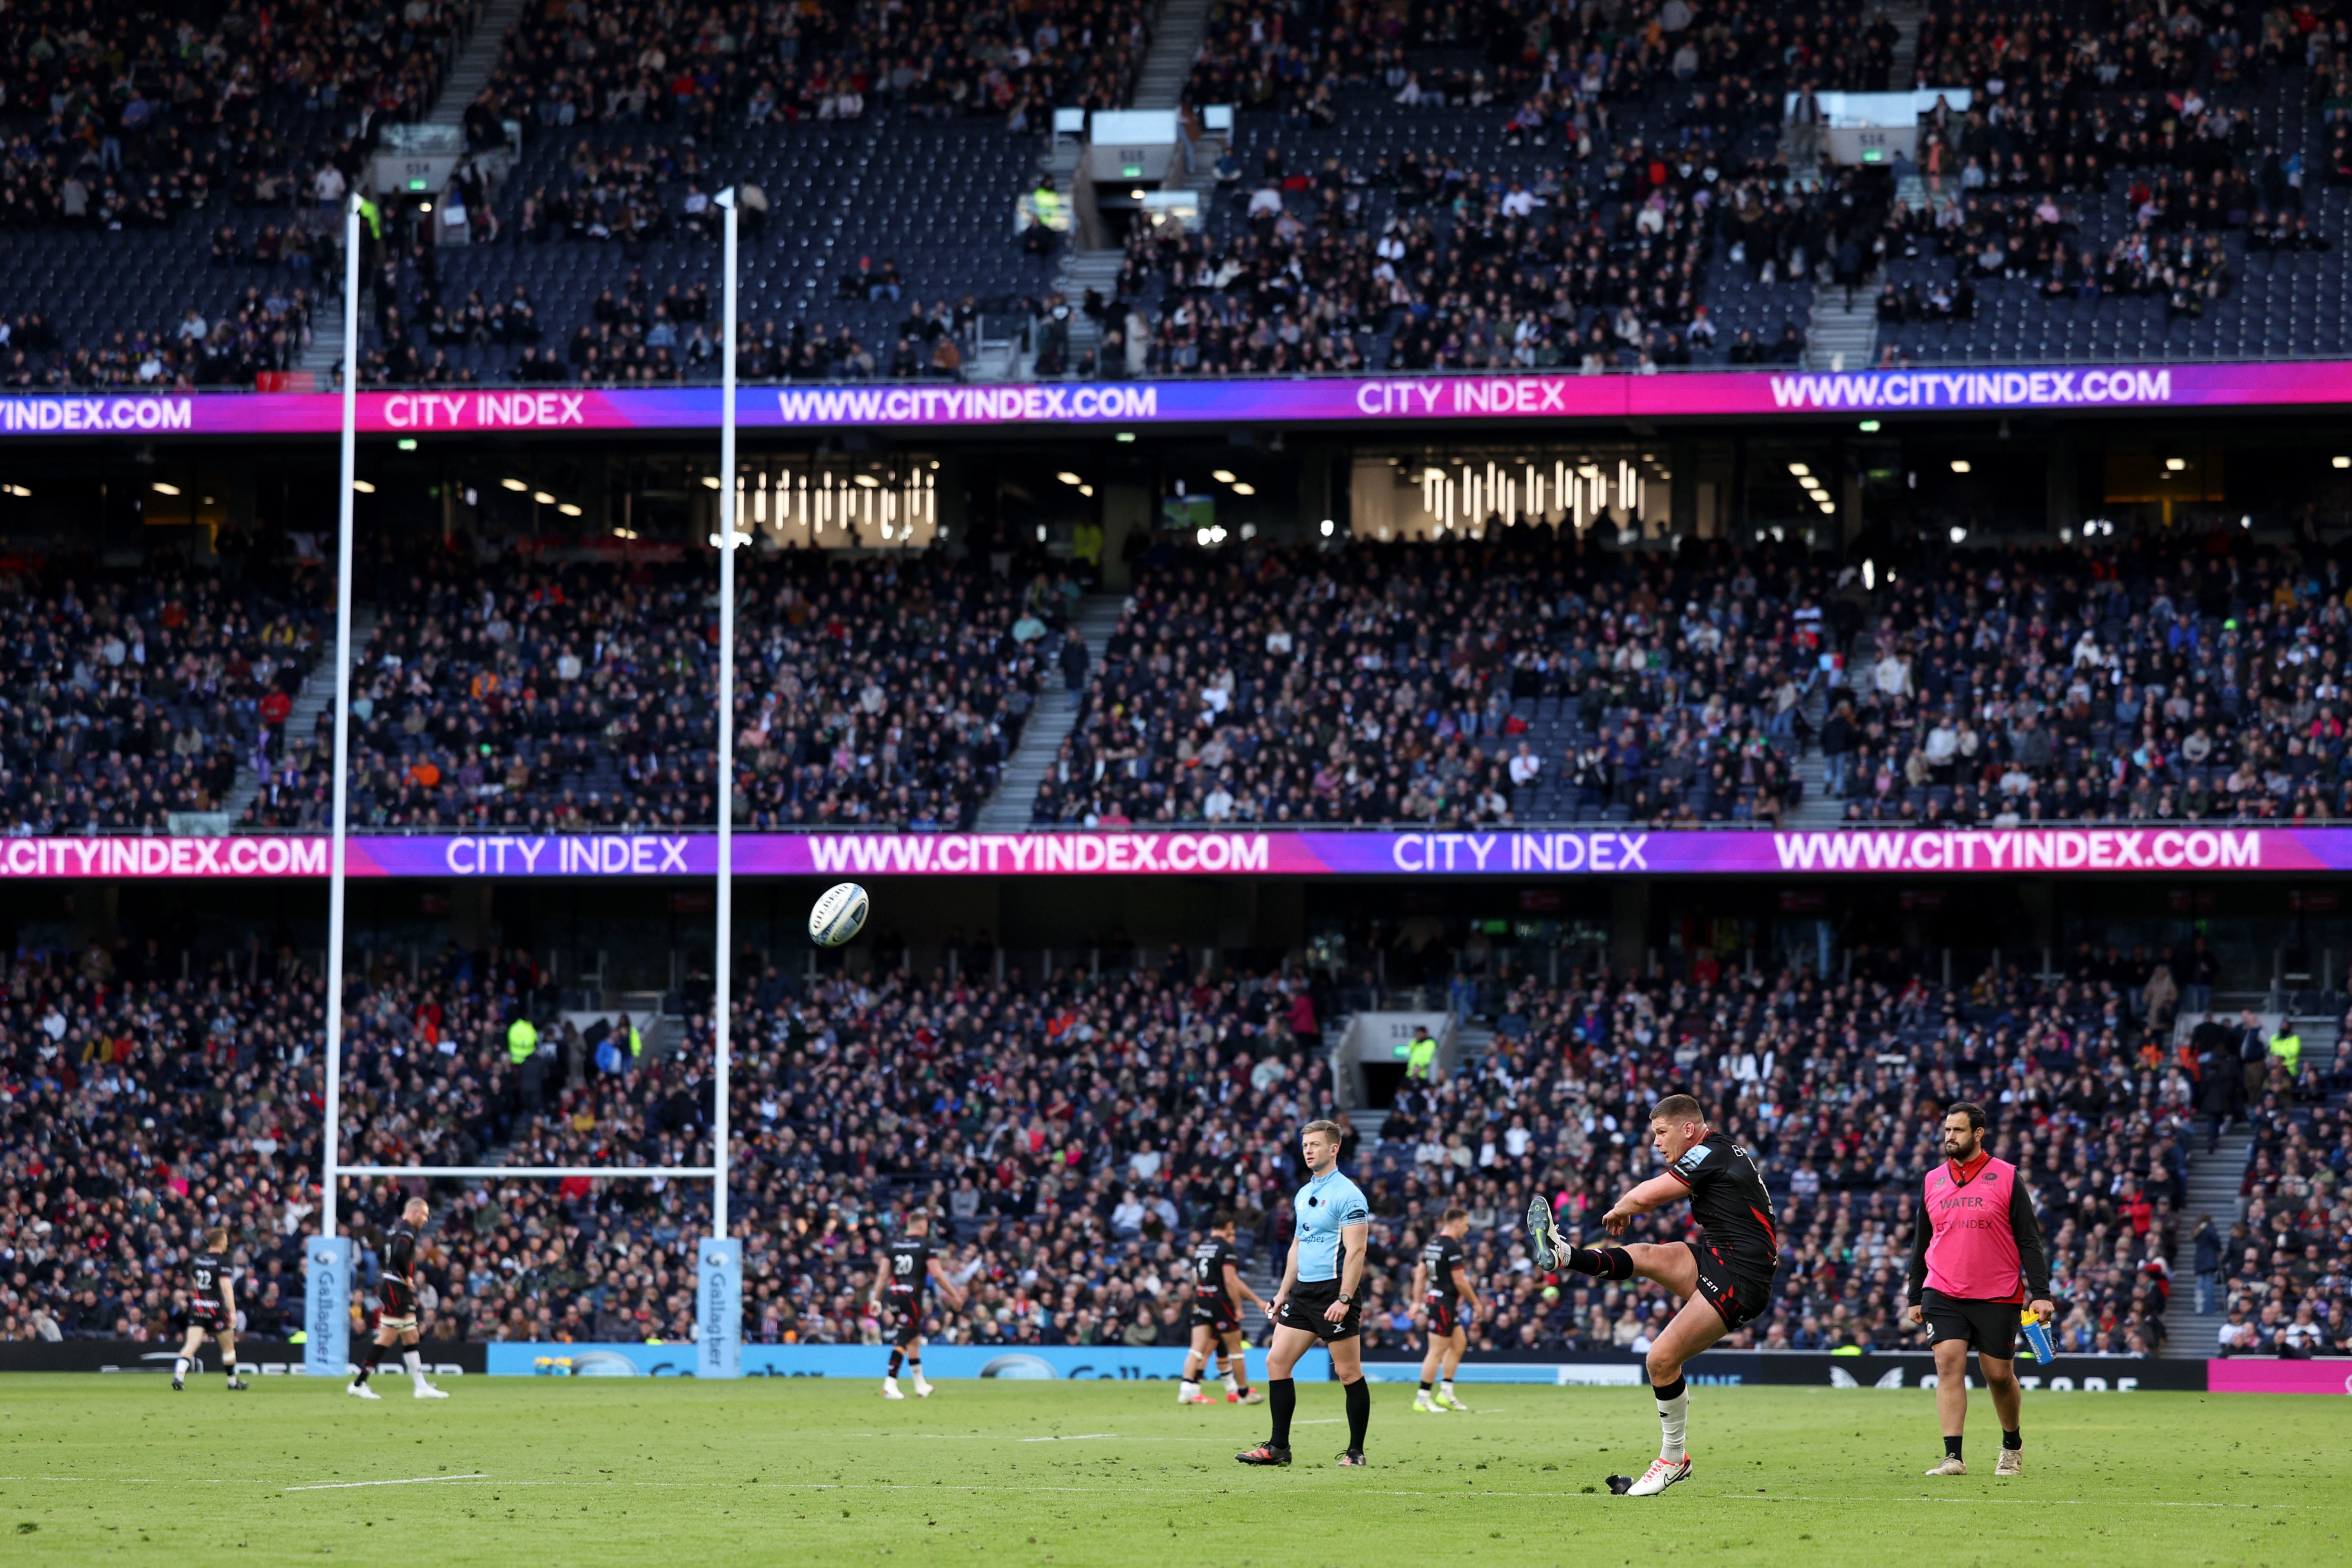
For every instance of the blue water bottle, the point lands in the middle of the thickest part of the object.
(2037, 1338)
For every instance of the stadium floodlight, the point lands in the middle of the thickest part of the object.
(1960, 464)
(543, 498)
(515, 485)
(2340, 462)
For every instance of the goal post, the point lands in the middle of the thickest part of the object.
(328, 1274)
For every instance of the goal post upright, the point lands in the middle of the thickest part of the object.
(718, 1294)
(327, 1274)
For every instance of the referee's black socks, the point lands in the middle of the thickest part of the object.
(1281, 1398)
(2012, 1439)
(1359, 1413)
(1951, 1447)
(1608, 1262)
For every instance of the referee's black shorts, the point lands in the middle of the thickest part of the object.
(1305, 1306)
(1987, 1328)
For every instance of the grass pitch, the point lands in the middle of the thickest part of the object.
(532, 1471)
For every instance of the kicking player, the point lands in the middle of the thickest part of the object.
(898, 1288)
(1317, 1301)
(1725, 1280)
(1217, 1319)
(395, 1315)
(1448, 1300)
(211, 1310)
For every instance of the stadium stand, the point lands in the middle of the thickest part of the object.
(127, 698)
(139, 146)
(2093, 683)
(876, 693)
(1438, 187)
(1076, 1131)
(2155, 683)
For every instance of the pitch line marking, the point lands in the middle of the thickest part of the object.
(1070, 1437)
(410, 1481)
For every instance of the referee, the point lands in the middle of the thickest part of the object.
(1976, 1258)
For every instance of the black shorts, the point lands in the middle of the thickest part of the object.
(902, 1319)
(206, 1314)
(1740, 1290)
(1445, 1315)
(1215, 1313)
(1988, 1328)
(1303, 1309)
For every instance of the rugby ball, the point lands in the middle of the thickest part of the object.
(839, 915)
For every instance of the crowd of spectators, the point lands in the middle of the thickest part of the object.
(129, 120)
(1395, 683)
(125, 699)
(2279, 1269)
(566, 695)
(1077, 1132)
(2158, 682)
(707, 68)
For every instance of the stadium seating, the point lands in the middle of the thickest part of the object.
(1076, 1132)
(875, 693)
(1383, 684)
(1602, 200)
(128, 697)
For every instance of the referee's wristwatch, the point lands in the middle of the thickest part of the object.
(1345, 1299)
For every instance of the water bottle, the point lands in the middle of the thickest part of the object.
(2037, 1338)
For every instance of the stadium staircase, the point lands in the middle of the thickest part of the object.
(1160, 85)
(1050, 721)
(317, 697)
(471, 71)
(1174, 46)
(322, 357)
(2213, 1182)
(1840, 336)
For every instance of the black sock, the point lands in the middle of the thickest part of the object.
(361, 1380)
(915, 1366)
(896, 1357)
(2012, 1439)
(1424, 1387)
(1951, 1447)
(1360, 1414)
(1608, 1262)
(1282, 1397)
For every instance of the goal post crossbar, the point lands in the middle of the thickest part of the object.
(533, 1171)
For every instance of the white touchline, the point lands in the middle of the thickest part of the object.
(1071, 1437)
(410, 1481)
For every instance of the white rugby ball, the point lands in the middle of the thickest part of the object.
(839, 915)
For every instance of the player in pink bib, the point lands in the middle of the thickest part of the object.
(1977, 1257)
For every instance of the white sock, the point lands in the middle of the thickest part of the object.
(1446, 1387)
(1187, 1387)
(1232, 1387)
(416, 1366)
(179, 1368)
(1674, 1420)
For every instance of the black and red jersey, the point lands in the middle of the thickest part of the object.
(1728, 1201)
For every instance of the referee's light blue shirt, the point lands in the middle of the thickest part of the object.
(1323, 1205)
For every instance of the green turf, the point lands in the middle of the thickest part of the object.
(792, 1471)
